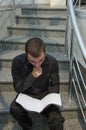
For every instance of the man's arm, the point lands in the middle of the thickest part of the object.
(20, 83)
(54, 78)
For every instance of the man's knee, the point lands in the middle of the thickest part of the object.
(15, 109)
(56, 121)
(12, 108)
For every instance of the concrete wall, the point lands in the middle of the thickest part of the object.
(56, 3)
(7, 19)
(51, 2)
(4, 22)
(27, 1)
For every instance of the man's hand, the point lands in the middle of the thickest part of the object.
(37, 71)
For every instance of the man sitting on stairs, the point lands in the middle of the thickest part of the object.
(36, 74)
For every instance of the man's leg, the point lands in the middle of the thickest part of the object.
(20, 115)
(54, 117)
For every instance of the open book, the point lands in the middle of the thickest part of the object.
(32, 104)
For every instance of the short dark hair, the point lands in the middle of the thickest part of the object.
(34, 47)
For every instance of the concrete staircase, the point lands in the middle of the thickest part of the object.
(49, 24)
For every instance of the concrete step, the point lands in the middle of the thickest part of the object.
(6, 80)
(5, 69)
(8, 86)
(8, 123)
(18, 42)
(7, 56)
(41, 19)
(73, 118)
(37, 30)
(69, 108)
(74, 124)
(43, 10)
(5, 75)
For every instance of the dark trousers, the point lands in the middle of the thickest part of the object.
(52, 113)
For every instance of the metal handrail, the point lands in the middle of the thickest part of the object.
(12, 8)
(74, 79)
(76, 91)
(76, 76)
(1, 2)
(4, 10)
(76, 29)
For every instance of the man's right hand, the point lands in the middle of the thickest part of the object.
(37, 71)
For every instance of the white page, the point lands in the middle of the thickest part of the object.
(28, 102)
(52, 98)
(32, 104)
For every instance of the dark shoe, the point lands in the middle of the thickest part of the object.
(57, 124)
(26, 129)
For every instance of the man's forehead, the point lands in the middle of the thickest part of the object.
(42, 55)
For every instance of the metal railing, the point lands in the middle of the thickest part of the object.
(11, 6)
(1, 2)
(76, 78)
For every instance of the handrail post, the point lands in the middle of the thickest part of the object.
(71, 65)
(13, 14)
(66, 44)
(79, 3)
(33, 3)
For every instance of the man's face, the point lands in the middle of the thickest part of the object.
(36, 61)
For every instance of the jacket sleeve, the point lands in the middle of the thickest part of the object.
(20, 83)
(54, 78)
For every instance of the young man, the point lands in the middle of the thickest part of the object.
(36, 74)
